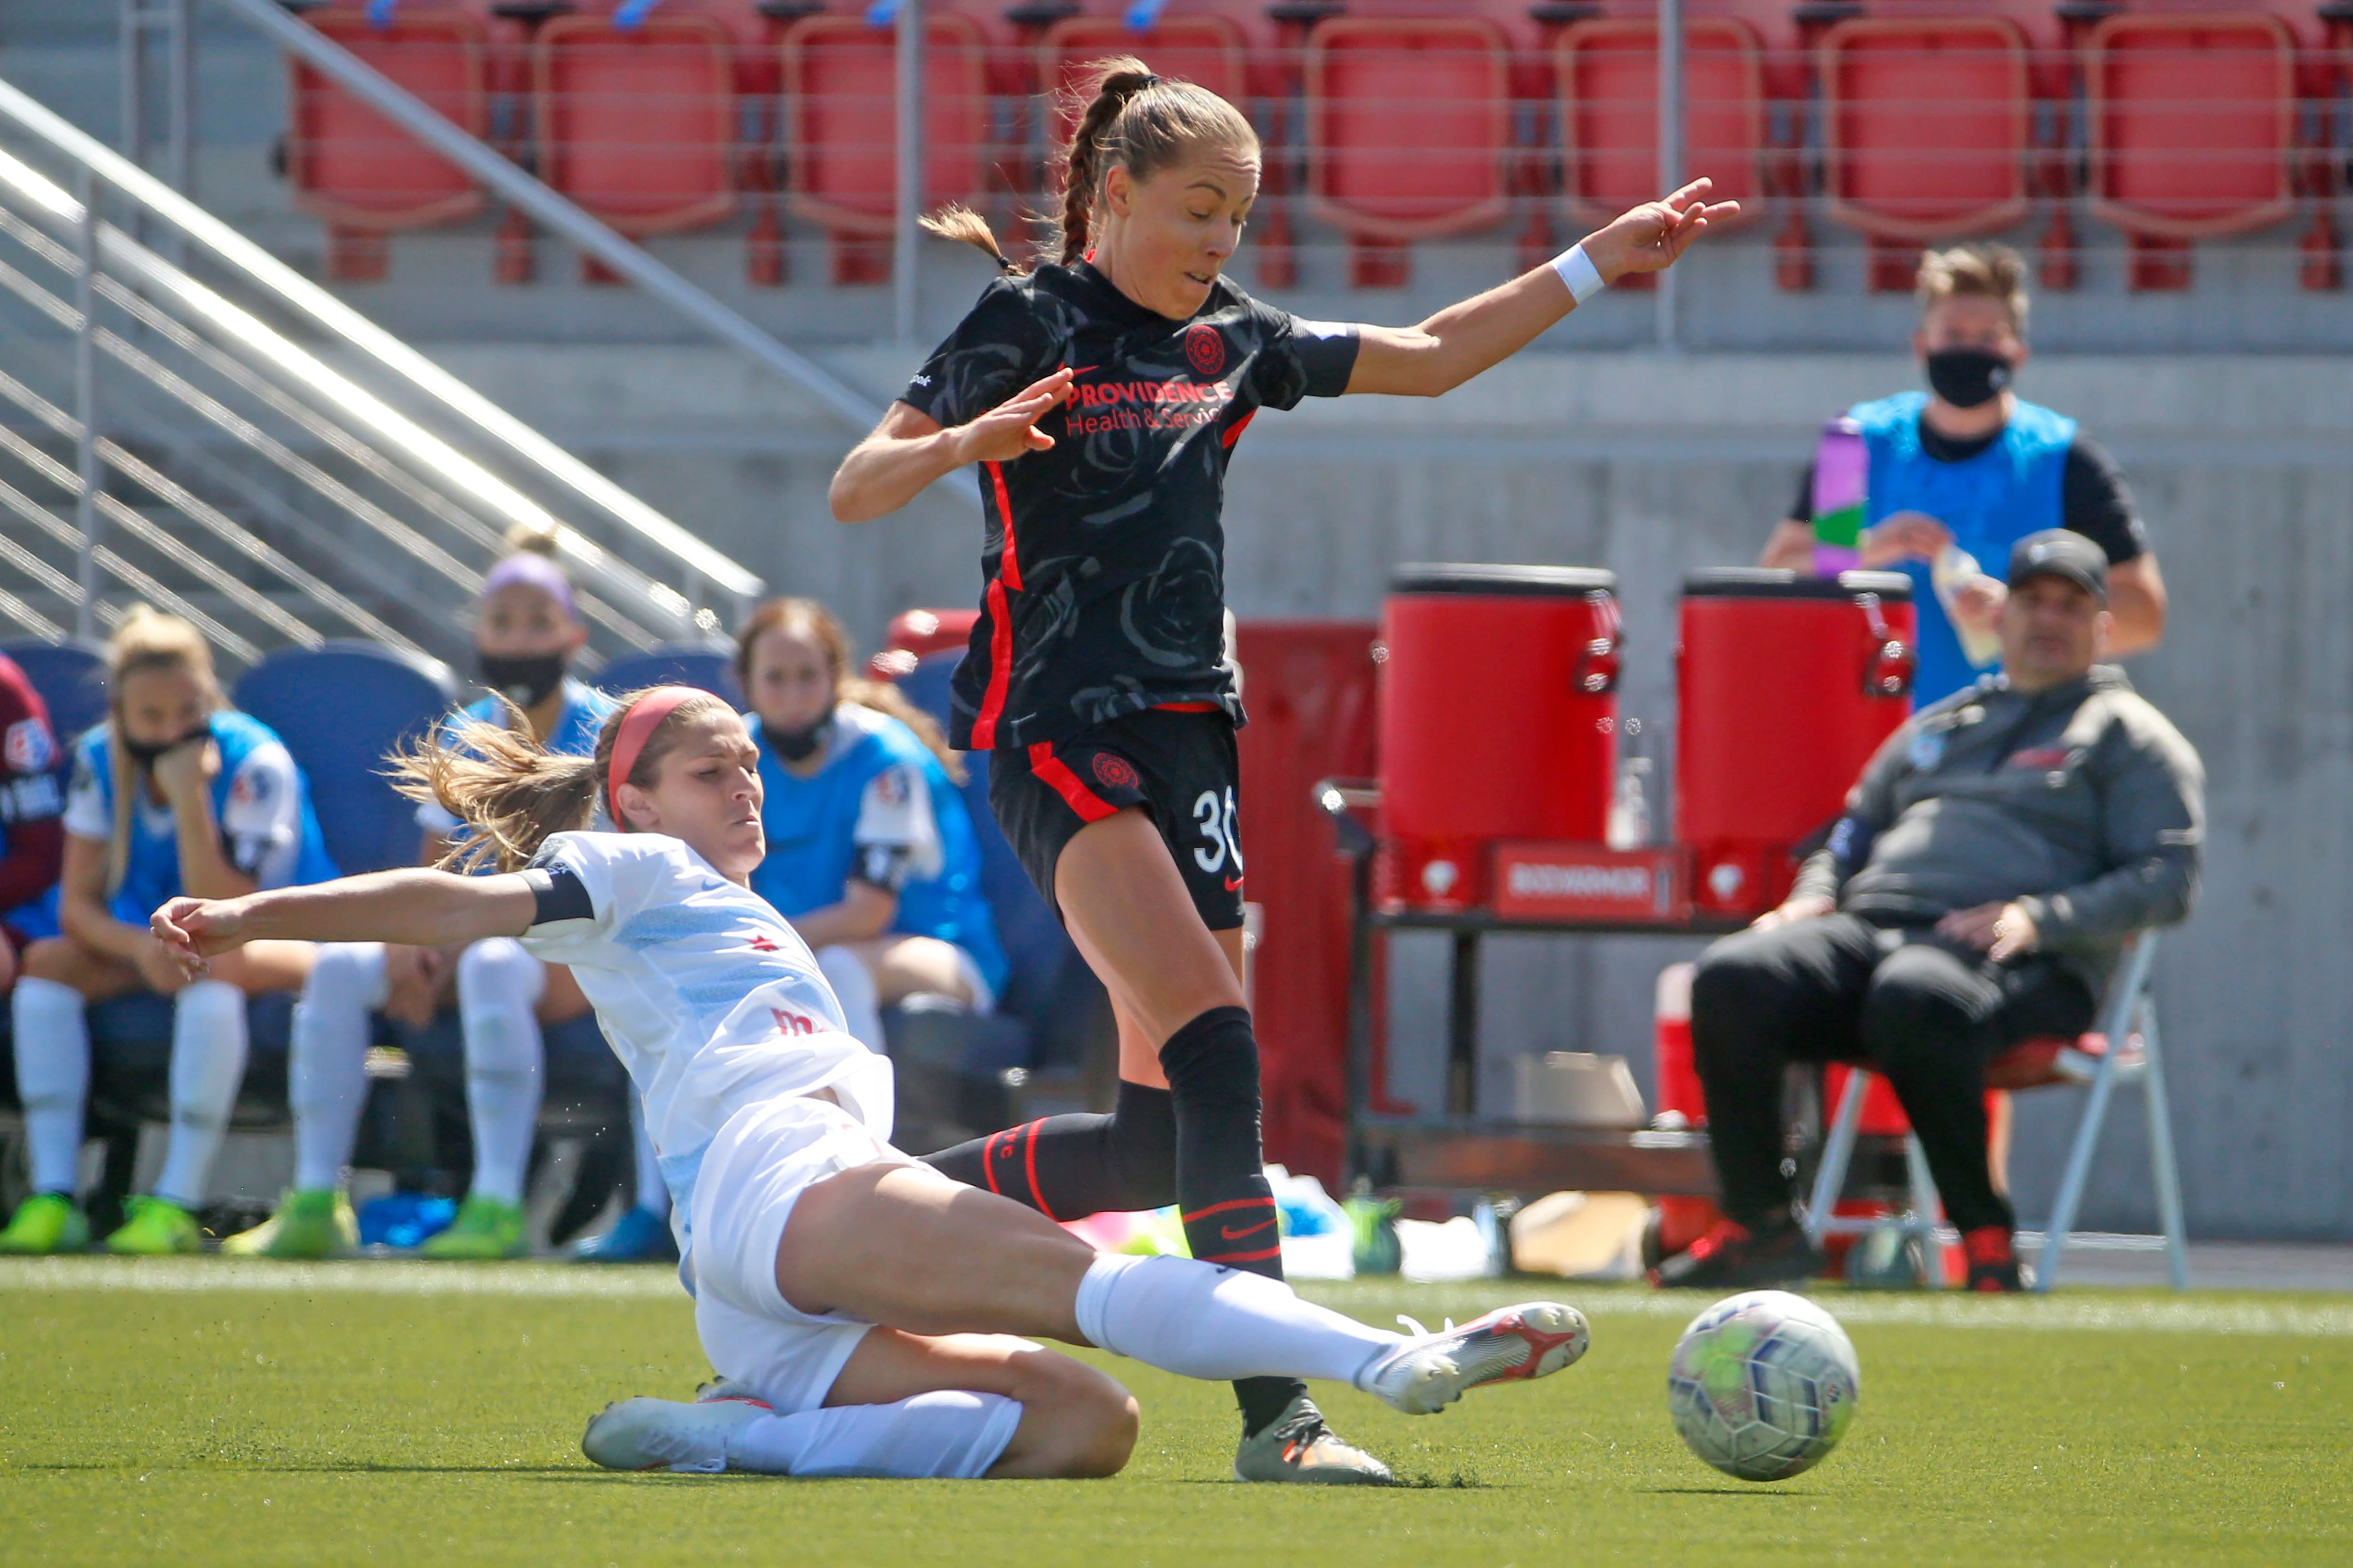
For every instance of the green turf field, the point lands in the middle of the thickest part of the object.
(174, 1411)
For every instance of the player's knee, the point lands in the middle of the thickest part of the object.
(496, 969)
(52, 958)
(1088, 1422)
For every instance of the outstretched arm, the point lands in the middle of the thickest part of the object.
(1460, 341)
(417, 907)
(909, 450)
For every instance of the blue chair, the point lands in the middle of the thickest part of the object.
(706, 668)
(71, 679)
(341, 709)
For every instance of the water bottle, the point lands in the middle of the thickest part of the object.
(1953, 568)
(1629, 808)
(1842, 479)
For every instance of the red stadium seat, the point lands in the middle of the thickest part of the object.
(1408, 133)
(638, 124)
(1926, 131)
(840, 131)
(2192, 132)
(1209, 50)
(361, 172)
(1608, 76)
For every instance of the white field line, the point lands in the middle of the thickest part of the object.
(1372, 1301)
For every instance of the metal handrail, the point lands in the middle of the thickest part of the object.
(257, 265)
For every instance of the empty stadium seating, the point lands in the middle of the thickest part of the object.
(71, 677)
(1607, 81)
(708, 669)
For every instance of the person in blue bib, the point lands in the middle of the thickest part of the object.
(175, 793)
(527, 630)
(870, 855)
(1960, 473)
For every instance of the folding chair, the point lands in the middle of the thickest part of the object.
(2124, 1051)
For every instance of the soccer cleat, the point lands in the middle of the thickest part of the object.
(485, 1230)
(726, 1388)
(46, 1223)
(638, 1236)
(668, 1434)
(1510, 1344)
(1993, 1260)
(316, 1224)
(157, 1227)
(1731, 1257)
(1298, 1447)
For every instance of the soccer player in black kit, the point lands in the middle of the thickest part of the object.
(1101, 394)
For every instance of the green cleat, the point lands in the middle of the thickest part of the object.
(485, 1229)
(46, 1223)
(1296, 1447)
(317, 1224)
(157, 1227)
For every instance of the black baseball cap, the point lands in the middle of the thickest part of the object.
(2060, 552)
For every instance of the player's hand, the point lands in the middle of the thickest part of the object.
(187, 769)
(162, 969)
(1010, 429)
(1650, 237)
(1791, 910)
(1904, 536)
(1977, 602)
(2004, 930)
(195, 929)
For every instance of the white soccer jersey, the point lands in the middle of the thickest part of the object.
(709, 997)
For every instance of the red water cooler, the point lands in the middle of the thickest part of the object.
(1786, 685)
(1498, 719)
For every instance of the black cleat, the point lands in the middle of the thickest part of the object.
(1731, 1257)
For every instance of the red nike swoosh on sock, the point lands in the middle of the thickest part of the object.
(1230, 1234)
(1233, 884)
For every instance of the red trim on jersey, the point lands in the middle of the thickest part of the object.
(1000, 621)
(1058, 776)
(1234, 431)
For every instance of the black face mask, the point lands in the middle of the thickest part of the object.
(1968, 377)
(147, 753)
(796, 745)
(526, 683)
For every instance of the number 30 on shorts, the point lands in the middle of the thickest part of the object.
(1217, 819)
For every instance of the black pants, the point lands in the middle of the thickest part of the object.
(1926, 1013)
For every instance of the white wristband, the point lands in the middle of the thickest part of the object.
(1576, 270)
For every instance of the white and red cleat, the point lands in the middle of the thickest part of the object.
(1510, 1344)
(668, 1434)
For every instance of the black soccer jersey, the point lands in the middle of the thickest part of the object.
(1105, 556)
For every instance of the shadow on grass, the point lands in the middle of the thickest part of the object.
(1716, 1491)
(259, 1468)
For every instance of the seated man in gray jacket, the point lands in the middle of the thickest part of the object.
(1991, 861)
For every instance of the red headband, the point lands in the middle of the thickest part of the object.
(637, 726)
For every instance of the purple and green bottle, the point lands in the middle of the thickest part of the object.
(1841, 477)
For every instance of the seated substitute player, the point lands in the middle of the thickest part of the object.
(870, 850)
(527, 631)
(1102, 394)
(861, 1308)
(174, 794)
(1997, 852)
(32, 838)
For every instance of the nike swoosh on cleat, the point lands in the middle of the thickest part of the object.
(1230, 1234)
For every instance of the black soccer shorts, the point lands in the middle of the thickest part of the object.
(1182, 767)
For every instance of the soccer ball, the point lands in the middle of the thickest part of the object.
(1763, 1386)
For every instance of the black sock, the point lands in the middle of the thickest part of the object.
(1221, 1189)
(1067, 1167)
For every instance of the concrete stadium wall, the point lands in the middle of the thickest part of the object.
(1654, 466)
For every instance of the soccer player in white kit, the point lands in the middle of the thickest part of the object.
(866, 1314)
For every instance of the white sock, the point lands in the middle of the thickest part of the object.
(653, 1193)
(207, 1065)
(498, 986)
(326, 1068)
(1199, 1321)
(853, 988)
(52, 1079)
(946, 1435)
